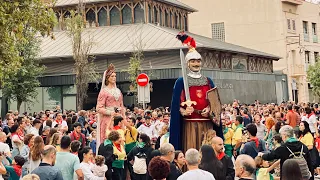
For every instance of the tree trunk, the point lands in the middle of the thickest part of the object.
(19, 102)
(79, 98)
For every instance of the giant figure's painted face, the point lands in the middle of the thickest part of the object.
(111, 79)
(194, 65)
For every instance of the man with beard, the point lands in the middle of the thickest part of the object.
(46, 169)
(189, 123)
(228, 170)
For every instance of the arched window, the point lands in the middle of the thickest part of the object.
(155, 15)
(91, 17)
(139, 14)
(180, 22)
(166, 19)
(102, 17)
(149, 14)
(176, 21)
(126, 15)
(160, 17)
(114, 16)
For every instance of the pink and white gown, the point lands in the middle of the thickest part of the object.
(108, 100)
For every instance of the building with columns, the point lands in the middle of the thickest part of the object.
(286, 28)
(116, 27)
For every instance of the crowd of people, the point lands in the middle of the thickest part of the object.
(261, 141)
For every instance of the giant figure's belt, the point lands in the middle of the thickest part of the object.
(196, 119)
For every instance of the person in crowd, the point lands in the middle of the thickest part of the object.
(291, 145)
(66, 162)
(179, 160)
(269, 132)
(35, 129)
(51, 133)
(192, 161)
(291, 117)
(163, 137)
(17, 140)
(3, 146)
(227, 134)
(209, 162)
(228, 168)
(14, 169)
(99, 168)
(46, 169)
(263, 169)
(8, 131)
(77, 135)
(291, 170)
(305, 135)
(130, 134)
(237, 136)
(147, 128)
(244, 167)
(167, 153)
(254, 145)
(312, 121)
(246, 119)
(93, 141)
(45, 133)
(70, 125)
(113, 152)
(86, 155)
(25, 153)
(81, 118)
(158, 168)
(142, 150)
(75, 146)
(261, 128)
(31, 177)
(35, 152)
(55, 140)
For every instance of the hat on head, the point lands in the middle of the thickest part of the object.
(111, 69)
(193, 54)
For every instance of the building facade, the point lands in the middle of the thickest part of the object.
(286, 28)
(117, 28)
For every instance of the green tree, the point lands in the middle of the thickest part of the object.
(84, 68)
(313, 75)
(15, 17)
(21, 85)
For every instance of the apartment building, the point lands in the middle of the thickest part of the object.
(286, 28)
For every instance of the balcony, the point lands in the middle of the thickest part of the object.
(297, 70)
(294, 2)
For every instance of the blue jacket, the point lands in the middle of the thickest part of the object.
(252, 150)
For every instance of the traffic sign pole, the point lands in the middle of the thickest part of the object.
(143, 89)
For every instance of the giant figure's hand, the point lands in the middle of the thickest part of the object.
(189, 110)
(205, 112)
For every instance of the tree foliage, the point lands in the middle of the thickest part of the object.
(21, 85)
(15, 17)
(84, 68)
(313, 76)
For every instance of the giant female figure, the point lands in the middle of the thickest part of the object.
(109, 104)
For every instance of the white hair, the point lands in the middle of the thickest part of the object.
(166, 148)
(287, 131)
(192, 157)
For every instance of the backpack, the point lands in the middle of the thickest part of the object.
(140, 163)
(306, 174)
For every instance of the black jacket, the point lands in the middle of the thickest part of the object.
(283, 153)
(228, 168)
(107, 152)
(136, 150)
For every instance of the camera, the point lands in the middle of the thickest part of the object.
(116, 110)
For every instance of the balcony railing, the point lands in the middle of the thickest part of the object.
(315, 38)
(297, 70)
(294, 2)
(306, 37)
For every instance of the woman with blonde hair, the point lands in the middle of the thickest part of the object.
(55, 140)
(35, 152)
(208, 136)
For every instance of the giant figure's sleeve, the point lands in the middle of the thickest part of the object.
(176, 118)
(101, 103)
(218, 129)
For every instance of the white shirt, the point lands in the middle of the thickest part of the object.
(150, 131)
(196, 174)
(63, 124)
(87, 173)
(34, 131)
(312, 120)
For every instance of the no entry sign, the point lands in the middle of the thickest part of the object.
(142, 80)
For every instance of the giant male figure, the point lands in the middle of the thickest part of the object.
(197, 110)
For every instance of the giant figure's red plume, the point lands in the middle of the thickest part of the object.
(185, 39)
